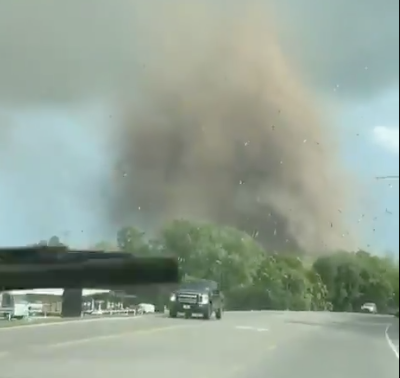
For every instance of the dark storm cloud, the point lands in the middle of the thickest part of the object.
(60, 50)
(353, 45)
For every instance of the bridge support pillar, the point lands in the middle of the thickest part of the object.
(71, 303)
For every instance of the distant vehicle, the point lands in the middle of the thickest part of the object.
(369, 308)
(21, 311)
(10, 309)
(146, 308)
(200, 297)
(7, 304)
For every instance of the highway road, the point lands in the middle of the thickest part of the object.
(242, 345)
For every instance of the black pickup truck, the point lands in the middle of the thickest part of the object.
(200, 297)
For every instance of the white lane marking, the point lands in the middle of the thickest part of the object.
(248, 328)
(392, 345)
(67, 322)
(244, 327)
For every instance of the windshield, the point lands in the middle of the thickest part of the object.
(195, 286)
(255, 142)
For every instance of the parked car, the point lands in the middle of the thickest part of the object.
(369, 308)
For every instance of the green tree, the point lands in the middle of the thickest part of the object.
(212, 252)
(255, 278)
(355, 278)
(132, 240)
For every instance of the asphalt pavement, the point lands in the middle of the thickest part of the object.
(242, 345)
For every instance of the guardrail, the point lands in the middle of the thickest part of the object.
(8, 314)
(124, 311)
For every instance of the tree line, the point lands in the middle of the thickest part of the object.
(254, 278)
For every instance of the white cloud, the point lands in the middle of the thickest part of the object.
(387, 137)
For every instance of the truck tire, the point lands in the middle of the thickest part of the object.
(173, 314)
(207, 315)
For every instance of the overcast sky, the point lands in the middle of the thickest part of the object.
(62, 62)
